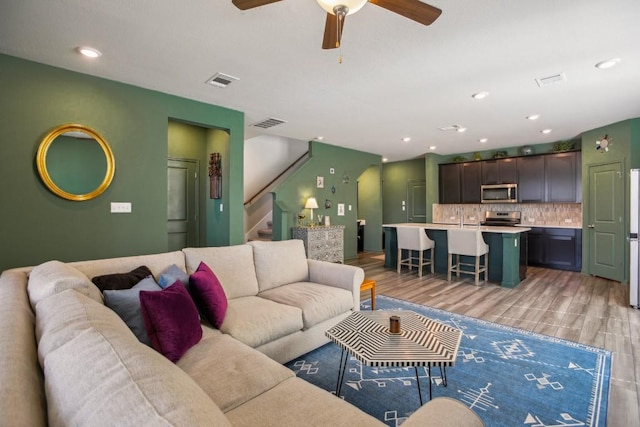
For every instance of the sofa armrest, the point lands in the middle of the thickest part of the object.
(443, 412)
(22, 396)
(342, 276)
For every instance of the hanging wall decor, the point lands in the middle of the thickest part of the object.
(603, 144)
(215, 176)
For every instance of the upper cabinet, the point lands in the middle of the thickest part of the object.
(560, 177)
(500, 171)
(449, 188)
(459, 183)
(531, 179)
(545, 178)
(470, 177)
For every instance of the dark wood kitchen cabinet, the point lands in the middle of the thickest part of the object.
(531, 179)
(460, 182)
(499, 171)
(560, 177)
(542, 178)
(470, 182)
(558, 248)
(449, 183)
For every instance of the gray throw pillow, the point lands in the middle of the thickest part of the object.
(126, 303)
(169, 276)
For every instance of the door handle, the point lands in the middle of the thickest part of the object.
(591, 226)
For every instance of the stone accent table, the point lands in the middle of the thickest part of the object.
(322, 243)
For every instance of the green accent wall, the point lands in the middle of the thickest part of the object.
(38, 226)
(369, 203)
(291, 195)
(188, 141)
(395, 176)
(625, 149)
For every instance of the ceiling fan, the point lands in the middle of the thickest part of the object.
(337, 10)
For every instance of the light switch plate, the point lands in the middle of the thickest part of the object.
(120, 207)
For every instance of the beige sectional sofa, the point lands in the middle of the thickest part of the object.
(67, 359)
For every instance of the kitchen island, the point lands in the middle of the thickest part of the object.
(507, 249)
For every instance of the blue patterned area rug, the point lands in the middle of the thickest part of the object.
(508, 376)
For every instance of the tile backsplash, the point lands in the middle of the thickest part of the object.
(540, 214)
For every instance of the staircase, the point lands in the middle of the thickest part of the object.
(266, 234)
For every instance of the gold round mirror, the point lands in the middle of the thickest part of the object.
(75, 162)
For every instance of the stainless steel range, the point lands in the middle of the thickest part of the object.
(502, 218)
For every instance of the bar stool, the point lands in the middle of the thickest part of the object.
(365, 286)
(467, 243)
(414, 239)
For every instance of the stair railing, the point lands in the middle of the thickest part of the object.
(271, 183)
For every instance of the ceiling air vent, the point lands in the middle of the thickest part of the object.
(268, 123)
(221, 80)
(549, 80)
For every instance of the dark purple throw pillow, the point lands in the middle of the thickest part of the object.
(119, 281)
(208, 295)
(171, 320)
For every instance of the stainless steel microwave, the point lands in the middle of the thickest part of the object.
(499, 193)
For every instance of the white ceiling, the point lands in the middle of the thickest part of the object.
(398, 78)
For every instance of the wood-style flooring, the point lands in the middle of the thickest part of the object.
(568, 305)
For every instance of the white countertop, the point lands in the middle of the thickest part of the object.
(568, 226)
(484, 228)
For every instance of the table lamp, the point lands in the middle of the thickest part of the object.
(311, 204)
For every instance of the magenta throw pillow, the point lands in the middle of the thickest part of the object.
(208, 295)
(171, 320)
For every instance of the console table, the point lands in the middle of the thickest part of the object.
(322, 243)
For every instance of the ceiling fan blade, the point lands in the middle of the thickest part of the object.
(412, 9)
(331, 34)
(250, 4)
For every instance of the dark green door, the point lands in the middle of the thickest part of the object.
(605, 228)
(416, 201)
(182, 203)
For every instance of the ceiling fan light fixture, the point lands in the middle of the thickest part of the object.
(352, 6)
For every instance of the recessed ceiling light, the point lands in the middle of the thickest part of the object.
(480, 95)
(533, 117)
(546, 131)
(320, 138)
(89, 52)
(461, 130)
(406, 139)
(483, 140)
(384, 159)
(608, 63)
(433, 147)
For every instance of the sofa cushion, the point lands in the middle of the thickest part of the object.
(94, 380)
(255, 321)
(22, 401)
(230, 372)
(279, 263)
(295, 402)
(233, 265)
(317, 302)
(63, 316)
(209, 295)
(169, 276)
(171, 320)
(126, 304)
(53, 277)
(115, 281)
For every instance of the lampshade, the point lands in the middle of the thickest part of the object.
(311, 203)
(352, 5)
